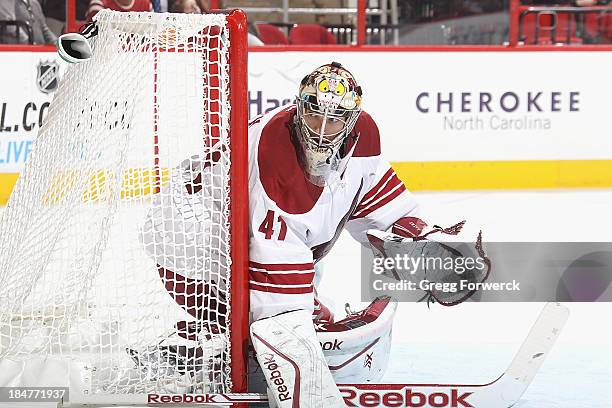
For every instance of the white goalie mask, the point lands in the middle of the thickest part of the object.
(328, 105)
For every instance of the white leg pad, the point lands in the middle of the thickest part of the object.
(292, 361)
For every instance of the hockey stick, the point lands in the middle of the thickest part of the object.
(503, 392)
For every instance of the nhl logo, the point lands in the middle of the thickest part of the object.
(48, 76)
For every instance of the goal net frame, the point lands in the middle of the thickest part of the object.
(238, 325)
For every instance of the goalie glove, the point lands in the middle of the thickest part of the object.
(444, 263)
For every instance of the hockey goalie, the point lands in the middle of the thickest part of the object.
(315, 169)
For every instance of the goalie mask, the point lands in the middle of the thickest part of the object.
(328, 105)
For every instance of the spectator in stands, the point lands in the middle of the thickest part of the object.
(189, 6)
(580, 3)
(118, 5)
(55, 11)
(589, 3)
(598, 25)
(29, 12)
(254, 37)
(201, 6)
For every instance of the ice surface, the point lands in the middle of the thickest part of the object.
(474, 343)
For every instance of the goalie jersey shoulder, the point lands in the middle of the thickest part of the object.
(276, 165)
(369, 137)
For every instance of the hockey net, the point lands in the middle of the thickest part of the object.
(123, 245)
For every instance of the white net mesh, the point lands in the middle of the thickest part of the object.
(114, 247)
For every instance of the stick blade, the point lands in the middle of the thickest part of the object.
(538, 343)
(533, 352)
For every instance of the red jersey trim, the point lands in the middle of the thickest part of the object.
(290, 279)
(284, 290)
(376, 189)
(273, 275)
(396, 191)
(389, 187)
(393, 184)
(368, 144)
(282, 267)
(280, 172)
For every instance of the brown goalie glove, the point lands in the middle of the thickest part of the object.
(446, 262)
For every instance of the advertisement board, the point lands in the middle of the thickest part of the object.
(448, 120)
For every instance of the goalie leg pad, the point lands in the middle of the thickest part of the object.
(357, 348)
(293, 363)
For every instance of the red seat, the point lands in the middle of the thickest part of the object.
(606, 27)
(551, 27)
(271, 34)
(311, 34)
(566, 29)
(599, 25)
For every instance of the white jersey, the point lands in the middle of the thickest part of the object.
(294, 223)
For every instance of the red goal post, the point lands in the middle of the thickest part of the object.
(239, 209)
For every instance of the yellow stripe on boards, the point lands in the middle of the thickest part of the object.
(7, 181)
(418, 176)
(100, 185)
